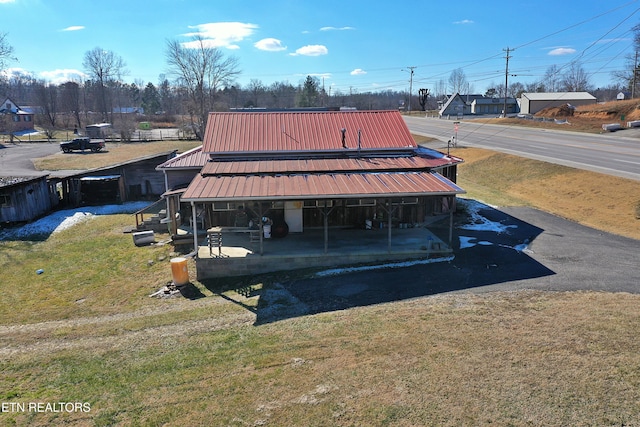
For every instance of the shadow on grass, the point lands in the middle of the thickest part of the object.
(482, 258)
(190, 291)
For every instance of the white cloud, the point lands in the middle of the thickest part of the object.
(464, 22)
(54, 76)
(73, 27)
(562, 51)
(15, 72)
(358, 72)
(311, 50)
(336, 28)
(270, 45)
(7, 1)
(63, 75)
(220, 34)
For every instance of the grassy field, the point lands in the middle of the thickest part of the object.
(114, 153)
(87, 331)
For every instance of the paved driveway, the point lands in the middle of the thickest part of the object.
(17, 159)
(527, 249)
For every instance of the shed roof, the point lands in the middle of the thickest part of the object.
(553, 96)
(315, 131)
(191, 159)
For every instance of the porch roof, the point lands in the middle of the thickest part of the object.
(341, 185)
(315, 165)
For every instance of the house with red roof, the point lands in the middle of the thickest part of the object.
(293, 171)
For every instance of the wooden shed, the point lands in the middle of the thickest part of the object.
(23, 199)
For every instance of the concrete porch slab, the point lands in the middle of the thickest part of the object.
(240, 257)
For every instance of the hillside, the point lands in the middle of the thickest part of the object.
(586, 118)
(612, 111)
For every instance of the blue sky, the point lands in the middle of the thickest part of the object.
(350, 45)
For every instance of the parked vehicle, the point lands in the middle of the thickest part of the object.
(82, 143)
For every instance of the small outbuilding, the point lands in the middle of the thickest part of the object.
(23, 199)
(533, 102)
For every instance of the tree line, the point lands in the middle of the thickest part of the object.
(201, 79)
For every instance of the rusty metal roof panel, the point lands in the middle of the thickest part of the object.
(324, 165)
(310, 186)
(191, 159)
(261, 132)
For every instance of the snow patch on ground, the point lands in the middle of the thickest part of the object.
(64, 219)
(479, 222)
(337, 271)
(468, 242)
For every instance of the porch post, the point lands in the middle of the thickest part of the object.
(451, 223)
(195, 228)
(326, 227)
(261, 227)
(389, 212)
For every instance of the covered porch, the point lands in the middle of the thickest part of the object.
(238, 255)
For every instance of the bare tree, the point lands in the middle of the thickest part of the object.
(552, 79)
(283, 94)
(6, 51)
(515, 90)
(201, 70)
(47, 97)
(575, 79)
(257, 90)
(104, 67)
(423, 95)
(70, 100)
(458, 81)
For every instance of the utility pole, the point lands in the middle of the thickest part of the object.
(410, 85)
(506, 82)
(635, 74)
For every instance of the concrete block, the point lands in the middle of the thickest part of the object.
(612, 127)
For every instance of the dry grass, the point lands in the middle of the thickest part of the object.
(114, 153)
(597, 200)
(519, 359)
(585, 118)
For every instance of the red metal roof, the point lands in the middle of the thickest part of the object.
(314, 186)
(317, 165)
(191, 159)
(261, 132)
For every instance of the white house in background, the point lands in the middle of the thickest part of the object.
(18, 118)
(532, 102)
(623, 95)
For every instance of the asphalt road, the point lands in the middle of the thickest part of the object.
(614, 153)
(17, 159)
(558, 255)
